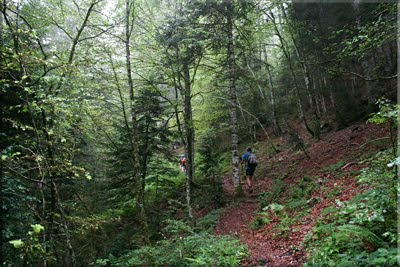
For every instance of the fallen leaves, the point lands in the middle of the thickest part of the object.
(266, 249)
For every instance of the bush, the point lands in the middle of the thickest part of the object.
(208, 222)
(194, 250)
(183, 248)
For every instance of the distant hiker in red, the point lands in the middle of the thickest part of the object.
(182, 162)
(250, 160)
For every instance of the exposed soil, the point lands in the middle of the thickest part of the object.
(347, 146)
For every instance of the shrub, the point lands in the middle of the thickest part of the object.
(208, 222)
(183, 248)
(194, 250)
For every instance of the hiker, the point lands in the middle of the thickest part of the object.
(250, 160)
(184, 164)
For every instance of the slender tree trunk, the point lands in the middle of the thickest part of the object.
(272, 95)
(296, 87)
(1, 23)
(70, 257)
(306, 73)
(331, 96)
(189, 138)
(129, 6)
(320, 93)
(233, 100)
(187, 133)
(317, 104)
(256, 78)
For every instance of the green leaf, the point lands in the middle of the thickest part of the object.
(17, 243)
(37, 228)
(88, 176)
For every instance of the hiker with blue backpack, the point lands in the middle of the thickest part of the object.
(250, 160)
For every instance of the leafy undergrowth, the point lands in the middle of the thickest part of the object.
(331, 209)
(184, 246)
(362, 230)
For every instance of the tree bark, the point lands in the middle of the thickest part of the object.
(189, 137)
(296, 87)
(137, 176)
(306, 73)
(233, 100)
(272, 95)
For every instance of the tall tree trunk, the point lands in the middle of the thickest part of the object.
(306, 73)
(189, 138)
(129, 6)
(187, 131)
(293, 74)
(365, 62)
(233, 100)
(272, 95)
(1, 23)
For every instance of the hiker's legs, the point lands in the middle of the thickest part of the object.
(248, 180)
(249, 177)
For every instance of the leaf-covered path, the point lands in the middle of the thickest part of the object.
(346, 146)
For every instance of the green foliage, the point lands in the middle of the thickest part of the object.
(176, 229)
(296, 142)
(30, 249)
(209, 162)
(261, 219)
(361, 231)
(208, 222)
(300, 193)
(266, 198)
(388, 112)
(284, 228)
(183, 248)
(71, 126)
(334, 168)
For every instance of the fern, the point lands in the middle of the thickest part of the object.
(357, 232)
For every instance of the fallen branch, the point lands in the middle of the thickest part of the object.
(370, 141)
(369, 79)
(348, 165)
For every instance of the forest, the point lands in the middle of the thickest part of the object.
(124, 127)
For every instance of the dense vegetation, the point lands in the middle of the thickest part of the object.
(99, 99)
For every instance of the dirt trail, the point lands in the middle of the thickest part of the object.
(267, 250)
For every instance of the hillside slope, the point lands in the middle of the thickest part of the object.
(316, 182)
